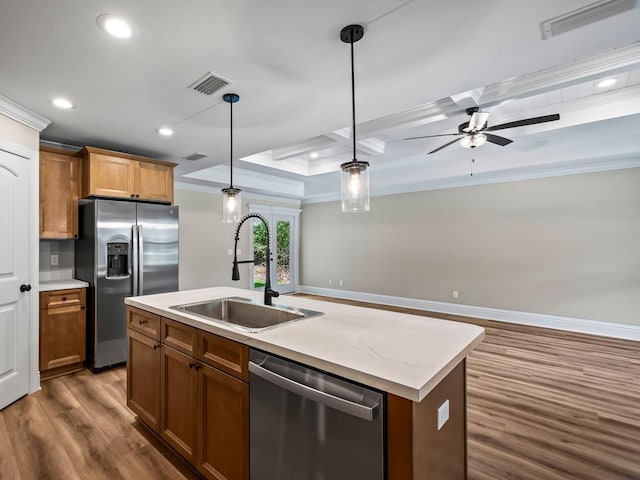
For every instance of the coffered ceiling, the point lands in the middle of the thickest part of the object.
(419, 65)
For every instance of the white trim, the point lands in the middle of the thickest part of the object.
(273, 210)
(255, 196)
(395, 185)
(579, 325)
(23, 115)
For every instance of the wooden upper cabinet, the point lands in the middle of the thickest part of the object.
(59, 192)
(120, 175)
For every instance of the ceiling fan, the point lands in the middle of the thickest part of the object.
(474, 132)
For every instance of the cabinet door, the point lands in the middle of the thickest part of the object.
(154, 182)
(223, 426)
(62, 336)
(143, 379)
(178, 402)
(59, 192)
(110, 176)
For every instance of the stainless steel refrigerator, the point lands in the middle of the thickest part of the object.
(124, 249)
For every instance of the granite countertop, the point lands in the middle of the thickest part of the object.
(402, 354)
(48, 285)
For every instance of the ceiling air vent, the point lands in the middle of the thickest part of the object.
(584, 16)
(195, 156)
(210, 83)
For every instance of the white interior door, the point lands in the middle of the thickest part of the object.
(14, 272)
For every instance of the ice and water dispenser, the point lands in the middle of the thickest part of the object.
(117, 259)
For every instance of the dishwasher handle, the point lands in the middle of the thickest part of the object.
(337, 403)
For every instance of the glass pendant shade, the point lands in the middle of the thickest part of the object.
(231, 205)
(473, 141)
(355, 186)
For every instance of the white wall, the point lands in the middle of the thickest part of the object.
(205, 240)
(566, 246)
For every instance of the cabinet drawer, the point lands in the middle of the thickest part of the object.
(62, 298)
(179, 336)
(229, 356)
(144, 322)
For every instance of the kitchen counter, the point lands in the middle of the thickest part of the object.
(402, 354)
(49, 285)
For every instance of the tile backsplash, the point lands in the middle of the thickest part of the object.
(65, 250)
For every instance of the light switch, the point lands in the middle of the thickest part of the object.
(443, 414)
(54, 259)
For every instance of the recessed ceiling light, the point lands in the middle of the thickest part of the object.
(314, 155)
(165, 131)
(607, 82)
(62, 103)
(114, 25)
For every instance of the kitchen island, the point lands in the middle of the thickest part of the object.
(418, 362)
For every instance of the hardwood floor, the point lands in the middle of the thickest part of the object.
(542, 404)
(548, 405)
(78, 427)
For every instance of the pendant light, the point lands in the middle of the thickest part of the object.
(355, 174)
(231, 201)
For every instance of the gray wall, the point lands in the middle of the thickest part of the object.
(205, 241)
(566, 246)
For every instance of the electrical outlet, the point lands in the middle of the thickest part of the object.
(341, 283)
(54, 259)
(455, 294)
(443, 414)
(331, 281)
(230, 251)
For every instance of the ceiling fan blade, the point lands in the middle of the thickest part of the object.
(478, 120)
(433, 136)
(526, 121)
(443, 146)
(498, 140)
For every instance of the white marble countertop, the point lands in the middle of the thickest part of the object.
(48, 285)
(403, 354)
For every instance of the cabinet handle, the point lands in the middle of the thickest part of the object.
(82, 307)
(192, 364)
(137, 195)
(64, 299)
(142, 322)
(133, 195)
(156, 346)
(198, 367)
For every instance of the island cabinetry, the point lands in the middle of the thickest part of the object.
(120, 175)
(62, 331)
(59, 192)
(196, 380)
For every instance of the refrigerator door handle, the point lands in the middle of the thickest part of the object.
(134, 259)
(140, 261)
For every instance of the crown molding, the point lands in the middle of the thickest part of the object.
(23, 115)
(610, 62)
(191, 187)
(396, 184)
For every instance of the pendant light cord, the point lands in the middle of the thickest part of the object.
(231, 130)
(353, 100)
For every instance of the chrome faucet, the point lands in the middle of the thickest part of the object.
(269, 293)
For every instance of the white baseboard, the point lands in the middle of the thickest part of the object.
(579, 325)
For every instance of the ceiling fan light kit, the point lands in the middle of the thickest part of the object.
(355, 174)
(231, 199)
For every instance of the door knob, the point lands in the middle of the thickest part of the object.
(25, 288)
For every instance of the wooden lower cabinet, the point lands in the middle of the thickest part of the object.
(143, 379)
(196, 408)
(178, 402)
(63, 319)
(223, 425)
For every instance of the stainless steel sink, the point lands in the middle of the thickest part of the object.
(245, 314)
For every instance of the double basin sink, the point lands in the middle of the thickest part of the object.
(244, 314)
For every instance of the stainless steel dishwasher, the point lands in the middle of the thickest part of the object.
(309, 425)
